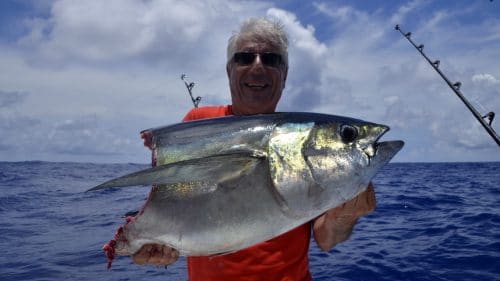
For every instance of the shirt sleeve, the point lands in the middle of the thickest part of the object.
(205, 112)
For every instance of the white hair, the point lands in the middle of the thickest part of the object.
(260, 30)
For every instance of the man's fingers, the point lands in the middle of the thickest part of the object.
(155, 254)
(364, 203)
(170, 253)
(142, 256)
(369, 200)
(164, 256)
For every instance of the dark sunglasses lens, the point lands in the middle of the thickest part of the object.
(270, 59)
(244, 58)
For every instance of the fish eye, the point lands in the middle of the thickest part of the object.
(348, 133)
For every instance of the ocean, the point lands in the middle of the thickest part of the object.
(434, 221)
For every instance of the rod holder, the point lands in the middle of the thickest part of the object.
(490, 116)
(190, 86)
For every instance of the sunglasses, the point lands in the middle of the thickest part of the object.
(267, 59)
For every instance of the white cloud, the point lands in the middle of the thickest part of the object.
(406, 9)
(158, 32)
(110, 69)
(302, 37)
(388, 82)
(86, 79)
(485, 78)
(341, 15)
(104, 31)
(303, 90)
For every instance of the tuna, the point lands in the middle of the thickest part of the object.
(224, 184)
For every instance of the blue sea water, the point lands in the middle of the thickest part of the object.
(433, 222)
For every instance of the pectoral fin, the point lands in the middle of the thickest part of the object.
(215, 168)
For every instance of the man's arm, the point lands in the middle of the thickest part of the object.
(336, 224)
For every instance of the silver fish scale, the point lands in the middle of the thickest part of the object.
(225, 184)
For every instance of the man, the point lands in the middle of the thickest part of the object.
(257, 69)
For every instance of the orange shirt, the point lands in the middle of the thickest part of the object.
(283, 258)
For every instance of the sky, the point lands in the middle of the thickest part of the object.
(80, 79)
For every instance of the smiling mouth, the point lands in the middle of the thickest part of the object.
(256, 86)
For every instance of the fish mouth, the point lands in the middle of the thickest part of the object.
(385, 151)
(393, 146)
(381, 152)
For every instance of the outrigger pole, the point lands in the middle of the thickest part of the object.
(189, 87)
(456, 88)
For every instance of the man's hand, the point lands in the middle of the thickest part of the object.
(336, 224)
(155, 254)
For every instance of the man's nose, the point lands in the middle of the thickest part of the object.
(257, 63)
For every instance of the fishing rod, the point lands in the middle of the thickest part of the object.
(456, 88)
(189, 87)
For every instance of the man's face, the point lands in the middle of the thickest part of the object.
(255, 88)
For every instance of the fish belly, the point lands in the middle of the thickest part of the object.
(219, 218)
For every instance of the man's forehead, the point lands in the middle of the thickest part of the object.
(254, 45)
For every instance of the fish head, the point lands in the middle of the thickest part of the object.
(344, 154)
(321, 161)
